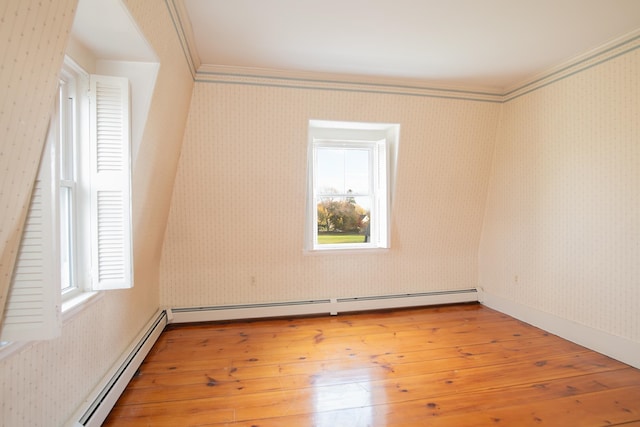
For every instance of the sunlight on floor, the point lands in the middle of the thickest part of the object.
(342, 404)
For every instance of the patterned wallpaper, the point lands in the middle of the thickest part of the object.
(562, 228)
(33, 38)
(236, 226)
(560, 232)
(44, 383)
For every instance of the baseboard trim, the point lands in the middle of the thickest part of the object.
(101, 401)
(331, 306)
(610, 345)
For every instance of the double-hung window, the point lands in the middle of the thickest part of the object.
(351, 168)
(77, 237)
(69, 125)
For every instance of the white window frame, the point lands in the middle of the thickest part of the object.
(382, 141)
(91, 128)
(72, 143)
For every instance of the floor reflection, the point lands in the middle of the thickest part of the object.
(341, 403)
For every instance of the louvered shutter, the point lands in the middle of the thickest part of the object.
(111, 239)
(33, 305)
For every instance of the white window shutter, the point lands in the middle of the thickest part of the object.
(110, 151)
(33, 306)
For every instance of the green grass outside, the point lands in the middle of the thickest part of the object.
(324, 239)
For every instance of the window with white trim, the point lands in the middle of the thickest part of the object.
(350, 179)
(77, 237)
(71, 122)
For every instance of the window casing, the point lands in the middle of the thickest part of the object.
(351, 169)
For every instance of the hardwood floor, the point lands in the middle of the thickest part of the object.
(462, 365)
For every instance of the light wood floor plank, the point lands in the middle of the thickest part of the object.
(450, 365)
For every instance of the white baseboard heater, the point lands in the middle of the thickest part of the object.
(331, 306)
(104, 397)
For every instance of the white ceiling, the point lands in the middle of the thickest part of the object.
(488, 44)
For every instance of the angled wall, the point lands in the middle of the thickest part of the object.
(43, 383)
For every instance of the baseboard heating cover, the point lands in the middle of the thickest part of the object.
(100, 402)
(323, 306)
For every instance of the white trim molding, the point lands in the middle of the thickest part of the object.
(331, 306)
(610, 345)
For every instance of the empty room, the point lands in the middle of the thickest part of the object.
(338, 213)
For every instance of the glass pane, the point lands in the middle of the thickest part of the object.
(66, 276)
(342, 170)
(357, 171)
(330, 171)
(343, 220)
(66, 134)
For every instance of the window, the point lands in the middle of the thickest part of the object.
(69, 121)
(77, 236)
(351, 168)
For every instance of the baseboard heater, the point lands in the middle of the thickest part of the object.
(322, 306)
(103, 398)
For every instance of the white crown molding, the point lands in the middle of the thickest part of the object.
(602, 53)
(387, 85)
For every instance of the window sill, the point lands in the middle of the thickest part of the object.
(78, 303)
(347, 251)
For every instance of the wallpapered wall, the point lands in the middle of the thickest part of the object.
(236, 227)
(46, 382)
(33, 39)
(561, 199)
(562, 228)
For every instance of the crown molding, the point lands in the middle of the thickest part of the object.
(182, 24)
(386, 85)
(340, 82)
(584, 61)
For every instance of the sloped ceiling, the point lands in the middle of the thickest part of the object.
(472, 44)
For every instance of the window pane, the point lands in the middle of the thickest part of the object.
(66, 276)
(357, 171)
(342, 170)
(66, 137)
(343, 220)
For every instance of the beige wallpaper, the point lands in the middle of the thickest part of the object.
(557, 230)
(32, 38)
(46, 382)
(562, 227)
(236, 226)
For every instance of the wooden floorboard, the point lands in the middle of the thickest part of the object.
(458, 365)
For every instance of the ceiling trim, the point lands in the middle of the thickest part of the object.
(182, 24)
(601, 54)
(326, 81)
(396, 86)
